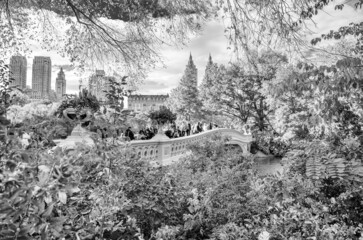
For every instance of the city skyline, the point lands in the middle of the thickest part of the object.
(211, 41)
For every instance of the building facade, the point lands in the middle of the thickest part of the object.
(60, 84)
(18, 71)
(41, 78)
(146, 103)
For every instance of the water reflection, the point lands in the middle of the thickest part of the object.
(269, 166)
(265, 165)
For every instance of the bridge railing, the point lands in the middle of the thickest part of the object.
(161, 148)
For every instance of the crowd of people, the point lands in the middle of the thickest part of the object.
(33, 137)
(170, 130)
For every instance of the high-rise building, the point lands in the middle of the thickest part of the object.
(99, 83)
(42, 75)
(60, 84)
(18, 71)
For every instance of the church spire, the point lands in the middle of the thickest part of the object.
(210, 61)
(191, 71)
(190, 62)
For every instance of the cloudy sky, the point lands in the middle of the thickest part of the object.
(211, 41)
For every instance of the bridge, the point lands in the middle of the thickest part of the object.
(165, 151)
(160, 148)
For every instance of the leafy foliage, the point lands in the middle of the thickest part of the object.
(321, 159)
(184, 99)
(162, 116)
(83, 100)
(235, 93)
(90, 33)
(115, 94)
(106, 192)
(271, 145)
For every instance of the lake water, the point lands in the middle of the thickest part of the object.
(269, 166)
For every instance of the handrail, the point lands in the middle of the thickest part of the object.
(194, 136)
(160, 149)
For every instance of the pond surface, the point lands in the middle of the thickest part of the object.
(269, 166)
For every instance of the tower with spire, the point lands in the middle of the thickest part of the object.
(60, 84)
(209, 79)
(191, 71)
(210, 61)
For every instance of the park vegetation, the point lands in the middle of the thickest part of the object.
(310, 114)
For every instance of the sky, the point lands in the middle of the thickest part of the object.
(212, 41)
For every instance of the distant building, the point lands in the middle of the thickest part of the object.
(99, 83)
(60, 84)
(145, 103)
(41, 79)
(18, 71)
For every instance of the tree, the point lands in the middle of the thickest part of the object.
(84, 100)
(162, 116)
(116, 93)
(353, 29)
(210, 75)
(322, 100)
(119, 34)
(279, 24)
(130, 32)
(184, 99)
(235, 93)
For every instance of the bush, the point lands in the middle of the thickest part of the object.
(270, 144)
(85, 193)
(84, 100)
(105, 192)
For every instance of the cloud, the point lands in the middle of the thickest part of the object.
(331, 19)
(154, 87)
(211, 41)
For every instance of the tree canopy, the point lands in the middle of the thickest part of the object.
(184, 99)
(125, 34)
(162, 116)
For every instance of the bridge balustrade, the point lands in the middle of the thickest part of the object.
(162, 149)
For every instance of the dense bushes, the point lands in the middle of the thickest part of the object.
(270, 144)
(213, 193)
(84, 100)
(85, 193)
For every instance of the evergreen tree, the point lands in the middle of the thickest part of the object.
(211, 73)
(184, 99)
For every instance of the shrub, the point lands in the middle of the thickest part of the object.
(270, 144)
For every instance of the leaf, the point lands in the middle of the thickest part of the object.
(62, 196)
(48, 211)
(72, 190)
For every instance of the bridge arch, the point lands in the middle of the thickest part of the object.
(164, 150)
